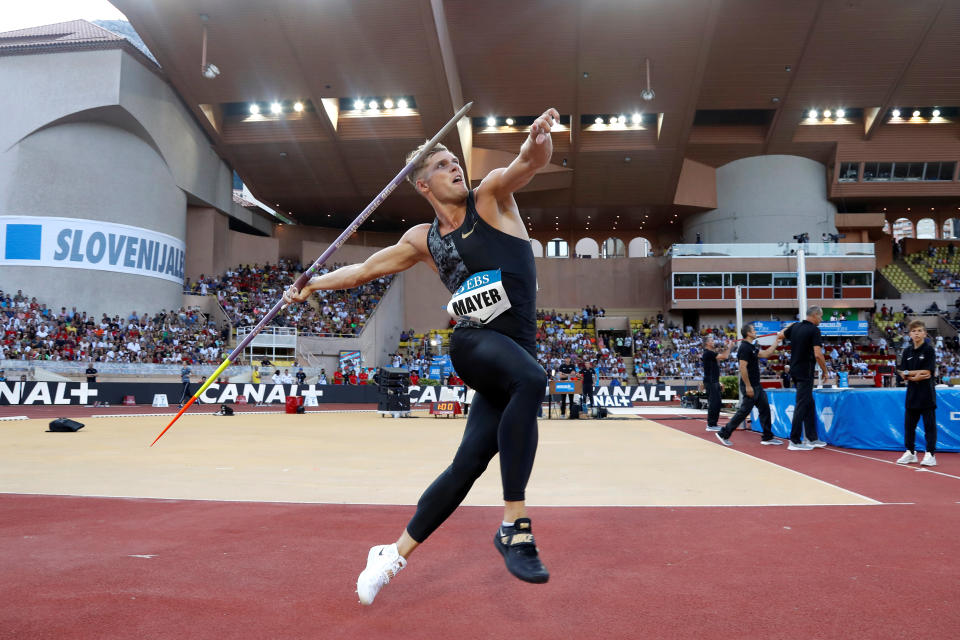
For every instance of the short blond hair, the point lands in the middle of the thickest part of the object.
(916, 323)
(418, 168)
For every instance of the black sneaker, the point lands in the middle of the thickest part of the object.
(519, 551)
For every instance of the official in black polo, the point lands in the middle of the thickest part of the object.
(917, 366)
(564, 372)
(711, 379)
(588, 383)
(806, 347)
(753, 395)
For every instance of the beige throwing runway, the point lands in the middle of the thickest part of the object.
(360, 458)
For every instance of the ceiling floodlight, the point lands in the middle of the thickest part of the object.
(812, 114)
(210, 71)
(491, 121)
(936, 113)
(621, 119)
(895, 113)
(841, 113)
(298, 106)
(388, 104)
(358, 104)
(827, 113)
(613, 120)
(373, 105)
(636, 118)
(509, 122)
(401, 104)
(276, 108)
(598, 120)
(254, 108)
(916, 113)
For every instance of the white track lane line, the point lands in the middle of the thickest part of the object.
(904, 466)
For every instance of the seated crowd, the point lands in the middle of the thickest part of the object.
(32, 331)
(247, 293)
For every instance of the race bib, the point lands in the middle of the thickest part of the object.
(481, 297)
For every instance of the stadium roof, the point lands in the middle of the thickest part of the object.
(732, 79)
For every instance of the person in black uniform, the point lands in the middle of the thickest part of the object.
(753, 395)
(91, 373)
(711, 379)
(479, 247)
(785, 377)
(806, 346)
(587, 388)
(917, 365)
(564, 372)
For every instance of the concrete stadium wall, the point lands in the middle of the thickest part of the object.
(766, 199)
(97, 135)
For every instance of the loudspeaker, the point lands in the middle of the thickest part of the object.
(574, 411)
(224, 411)
(65, 425)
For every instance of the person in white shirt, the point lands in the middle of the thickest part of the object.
(286, 378)
(277, 378)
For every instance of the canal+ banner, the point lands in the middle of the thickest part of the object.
(73, 243)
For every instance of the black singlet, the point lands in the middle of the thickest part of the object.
(476, 246)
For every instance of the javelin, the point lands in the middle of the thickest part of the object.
(302, 280)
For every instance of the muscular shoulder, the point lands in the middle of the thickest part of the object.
(416, 236)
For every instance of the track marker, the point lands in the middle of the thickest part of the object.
(143, 555)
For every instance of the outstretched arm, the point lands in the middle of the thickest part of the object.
(769, 351)
(407, 252)
(534, 155)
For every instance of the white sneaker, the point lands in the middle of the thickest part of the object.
(383, 563)
(929, 460)
(713, 428)
(803, 446)
(816, 444)
(907, 458)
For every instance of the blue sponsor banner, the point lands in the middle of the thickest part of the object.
(838, 328)
(440, 367)
(766, 327)
(866, 418)
(75, 243)
(845, 328)
(564, 387)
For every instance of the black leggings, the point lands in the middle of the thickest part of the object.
(910, 419)
(509, 385)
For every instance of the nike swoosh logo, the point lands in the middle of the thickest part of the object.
(467, 234)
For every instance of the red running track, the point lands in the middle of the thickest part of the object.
(114, 568)
(89, 568)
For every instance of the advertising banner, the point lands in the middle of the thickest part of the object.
(866, 418)
(73, 243)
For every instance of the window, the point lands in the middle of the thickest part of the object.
(848, 171)
(900, 170)
(857, 279)
(828, 279)
(947, 169)
(738, 279)
(784, 279)
(557, 248)
(711, 280)
(939, 171)
(814, 279)
(760, 279)
(612, 248)
(877, 171)
(684, 279)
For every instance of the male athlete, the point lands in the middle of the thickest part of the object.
(479, 247)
